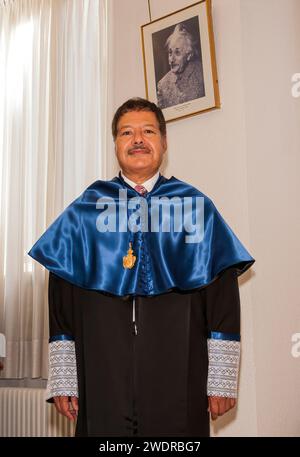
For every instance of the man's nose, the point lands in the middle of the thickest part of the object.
(138, 137)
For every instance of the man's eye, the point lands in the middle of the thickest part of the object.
(125, 132)
(149, 131)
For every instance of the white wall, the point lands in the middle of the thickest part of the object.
(245, 156)
(271, 43)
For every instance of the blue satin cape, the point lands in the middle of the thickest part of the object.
(75, 250)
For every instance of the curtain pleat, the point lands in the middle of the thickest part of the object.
(51, 147)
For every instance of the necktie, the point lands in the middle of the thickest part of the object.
(141, 189)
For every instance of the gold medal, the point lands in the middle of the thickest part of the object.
(129, 259)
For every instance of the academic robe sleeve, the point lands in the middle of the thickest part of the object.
(223, 320)
(2, 345)
(62, 379)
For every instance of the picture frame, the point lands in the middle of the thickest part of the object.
(180, 62)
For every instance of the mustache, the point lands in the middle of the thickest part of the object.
(137, 148)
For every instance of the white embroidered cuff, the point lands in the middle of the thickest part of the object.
(223, 368)
(62, 380)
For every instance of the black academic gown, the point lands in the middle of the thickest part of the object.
(149, 382)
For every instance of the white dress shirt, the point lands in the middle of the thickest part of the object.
(149, 184)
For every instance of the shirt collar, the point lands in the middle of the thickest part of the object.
(149, 184)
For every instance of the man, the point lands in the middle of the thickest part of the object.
(133, 305)
(184, 81)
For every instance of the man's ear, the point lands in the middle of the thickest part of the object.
(165, 143)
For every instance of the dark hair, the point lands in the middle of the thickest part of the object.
(138, 104)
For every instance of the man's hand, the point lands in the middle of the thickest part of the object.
(217, 406)
(67, 408)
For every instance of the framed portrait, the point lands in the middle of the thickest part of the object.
(179, 62)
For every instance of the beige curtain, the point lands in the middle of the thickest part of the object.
(53, 66)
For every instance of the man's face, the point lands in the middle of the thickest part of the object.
(178, 54)
(139, 144)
